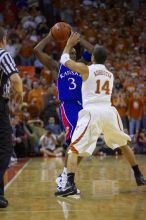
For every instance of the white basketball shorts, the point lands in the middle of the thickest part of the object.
(94, 120)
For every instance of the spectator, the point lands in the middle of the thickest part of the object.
(48, 144)
(50, 105)
(34, 109)
(56, 130)
(25, 113)
(120, 102)
(67, 15)
(26, 54)
(144, 112)
(36, 127)
(135, 110)
(140, 142)
(20, 137)
(36, 94)
(11, 48)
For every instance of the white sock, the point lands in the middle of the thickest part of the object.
(65, 170)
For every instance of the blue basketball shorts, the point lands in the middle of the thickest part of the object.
(69, 116)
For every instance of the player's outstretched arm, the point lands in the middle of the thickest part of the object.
(86, 44)
(44, 58)
(65, 58)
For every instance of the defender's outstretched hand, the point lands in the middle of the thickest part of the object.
(73, 39)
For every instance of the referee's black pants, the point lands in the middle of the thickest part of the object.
(5, 142)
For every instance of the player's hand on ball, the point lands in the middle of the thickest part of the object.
(73, 39)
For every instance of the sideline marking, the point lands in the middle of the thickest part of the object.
(41, 211)
(18, 173)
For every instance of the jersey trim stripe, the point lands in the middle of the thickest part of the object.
(72, 146)
(66, 122)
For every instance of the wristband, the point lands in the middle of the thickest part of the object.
(65, 57)
(86, 56)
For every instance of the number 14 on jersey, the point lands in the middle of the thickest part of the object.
(104, 87)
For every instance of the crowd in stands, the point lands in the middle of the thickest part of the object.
(118, 25)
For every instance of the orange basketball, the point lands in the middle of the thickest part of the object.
(61, 31)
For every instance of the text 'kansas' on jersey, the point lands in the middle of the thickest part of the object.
(69, 84)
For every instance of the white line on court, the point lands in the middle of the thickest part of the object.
(42, 211)
(19, 172)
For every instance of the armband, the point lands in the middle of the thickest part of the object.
(65, 57)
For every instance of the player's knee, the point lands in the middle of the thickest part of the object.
(72, 150)
(125, 148)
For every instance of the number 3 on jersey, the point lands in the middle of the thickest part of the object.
(73, 84)
(104, 87)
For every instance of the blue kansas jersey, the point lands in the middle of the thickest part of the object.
(69, 84)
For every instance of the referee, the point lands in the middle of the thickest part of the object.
(9, 79)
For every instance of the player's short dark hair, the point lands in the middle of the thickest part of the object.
(99, 54)
(2, 33)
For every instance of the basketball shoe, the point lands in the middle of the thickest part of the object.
(3, 202)
(62, 181)
(140, 180)
(70, 189)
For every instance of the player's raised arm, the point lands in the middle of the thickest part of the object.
(65, 58)
(44, 58)
(86, 44)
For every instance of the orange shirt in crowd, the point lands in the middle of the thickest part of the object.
(144, 105)
(121, 107)
(122, 110)
(135, 108)
(33, 110)
(47, 75)
(26, 51)
(38, 95)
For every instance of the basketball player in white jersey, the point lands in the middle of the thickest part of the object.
(97, 116)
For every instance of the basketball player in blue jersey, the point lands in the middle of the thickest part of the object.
(69, 85)
(69, 93)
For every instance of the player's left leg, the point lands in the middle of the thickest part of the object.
(114, 129)
(70, 187)
(61, 180)
(83, 143)
(128, 153)
(69, 115)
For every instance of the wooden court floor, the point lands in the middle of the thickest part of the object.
(108, 191)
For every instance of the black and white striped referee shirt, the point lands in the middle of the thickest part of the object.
(7, 68)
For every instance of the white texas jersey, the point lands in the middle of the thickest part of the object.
(98, 87)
